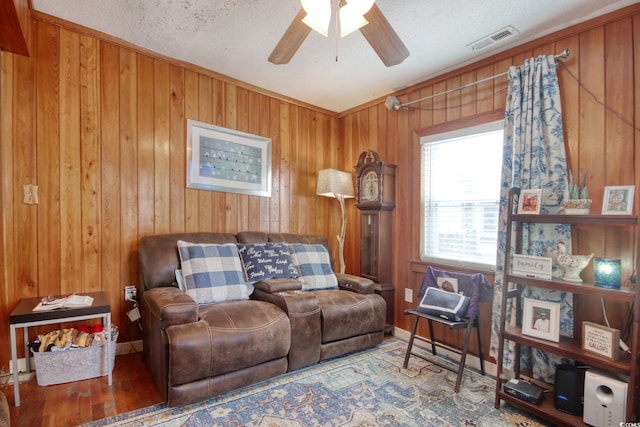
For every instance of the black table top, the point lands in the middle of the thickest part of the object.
(24, 310)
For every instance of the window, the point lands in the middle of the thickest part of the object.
(460, 195)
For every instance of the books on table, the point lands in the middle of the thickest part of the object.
(72, 301)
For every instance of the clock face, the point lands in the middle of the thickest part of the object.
(369, 189)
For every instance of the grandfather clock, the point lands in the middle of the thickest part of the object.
(376, 199)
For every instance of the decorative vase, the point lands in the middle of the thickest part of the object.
(577, 206)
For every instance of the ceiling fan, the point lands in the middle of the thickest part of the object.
(372, 24)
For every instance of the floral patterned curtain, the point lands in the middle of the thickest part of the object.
(533, 157)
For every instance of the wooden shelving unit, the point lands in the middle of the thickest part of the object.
(628, 364)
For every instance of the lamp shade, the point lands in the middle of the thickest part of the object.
(332, 183)
(318, 15)
(606, 273)
(351, 15)
(351, 19)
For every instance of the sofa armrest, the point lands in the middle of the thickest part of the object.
(273, 286)
(160, 308)
(356, 284)
(303, 310)
(169, 306)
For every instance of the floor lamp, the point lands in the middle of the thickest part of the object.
(338, 184)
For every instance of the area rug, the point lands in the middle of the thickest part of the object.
(369, 388)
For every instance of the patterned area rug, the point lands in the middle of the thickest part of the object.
(368, 388)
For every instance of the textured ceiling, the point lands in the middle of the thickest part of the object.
(235, 38)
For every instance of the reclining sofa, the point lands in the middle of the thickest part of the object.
(197, 346)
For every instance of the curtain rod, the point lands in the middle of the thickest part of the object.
(393, 103)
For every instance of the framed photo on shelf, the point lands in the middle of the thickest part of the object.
(529, 201)
(220, 159)
(600, 340)
(541, 319)
(618, 200)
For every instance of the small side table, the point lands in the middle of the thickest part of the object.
(23, 316)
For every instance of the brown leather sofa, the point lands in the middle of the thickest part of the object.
(5, 415)
(198, 351)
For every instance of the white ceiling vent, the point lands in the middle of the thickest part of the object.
(493, 38)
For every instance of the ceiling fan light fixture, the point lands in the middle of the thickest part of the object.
(318, 15)
(318, 23)
(351, 19)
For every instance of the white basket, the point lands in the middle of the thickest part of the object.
(57, 367)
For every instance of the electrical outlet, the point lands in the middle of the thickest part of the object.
(408, 295)
(130, 293)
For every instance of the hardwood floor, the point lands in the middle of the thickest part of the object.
(79, 402)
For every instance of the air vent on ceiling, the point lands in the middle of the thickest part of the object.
(493, 38)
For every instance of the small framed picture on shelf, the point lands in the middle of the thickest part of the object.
(529, 202)
(618, 200)
(541, 319)
(600, 340)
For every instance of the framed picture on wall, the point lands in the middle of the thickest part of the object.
(529, 202)
(618, 200)
(541, 319)
(220, 159)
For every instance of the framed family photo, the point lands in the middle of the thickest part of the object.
(449, 284)
(529, 201)
(618, 200)
(220, 159)
(541, 319)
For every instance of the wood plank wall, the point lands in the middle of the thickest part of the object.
(100, 128)
(603, 141)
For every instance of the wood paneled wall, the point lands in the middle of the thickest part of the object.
(600, 85)
(100, 127)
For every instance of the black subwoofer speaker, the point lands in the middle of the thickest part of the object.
(568, 389)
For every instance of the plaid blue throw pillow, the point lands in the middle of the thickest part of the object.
(314, 264)
(213, 273)
(268, 260)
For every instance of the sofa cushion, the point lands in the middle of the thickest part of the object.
(263, 261)
(348, 314)
(213, 272)
(226, 339)
(314, 265)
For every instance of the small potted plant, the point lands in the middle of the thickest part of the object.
(579, 202)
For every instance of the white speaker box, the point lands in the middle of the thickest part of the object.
(605, 399)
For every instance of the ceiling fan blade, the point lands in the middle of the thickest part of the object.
(291, 40)
(383, 39)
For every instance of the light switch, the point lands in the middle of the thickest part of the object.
(30, 194)
(408, 295)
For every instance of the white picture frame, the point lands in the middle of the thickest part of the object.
(618, 200)
(220, 159)
(541, 319)
(529, 201)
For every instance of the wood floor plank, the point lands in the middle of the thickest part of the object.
(80, 402)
